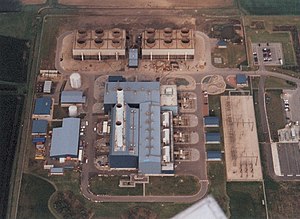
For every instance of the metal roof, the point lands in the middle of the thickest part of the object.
(72, 97)
(42, 106)
(56, 170)
(211, 121)
(47, 87)
(212, 136)
(133, 58)
(134, 92)
(221, 43)
(39, 126)
(116, 79)
(214, 155)
(123, 161)
(150, 146)
(65, 139)
(241, 79)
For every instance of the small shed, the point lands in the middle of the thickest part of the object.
(221, 44)
(47, 87)
(214, 156)
(241, 80)
(116, 79)
(57, 171)
(212, 138)
(39, 127)
(211, 121)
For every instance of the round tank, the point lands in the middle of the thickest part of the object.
(75, 80)
(73, 111)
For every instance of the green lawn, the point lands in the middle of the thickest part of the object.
(246, 200)
(271, 7)
(178, 185)
(110, 186)
(217, 186)
(35, 193)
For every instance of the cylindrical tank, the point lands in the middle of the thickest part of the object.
(73, 111)
(75, 80)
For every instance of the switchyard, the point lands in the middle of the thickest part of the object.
(240, 139)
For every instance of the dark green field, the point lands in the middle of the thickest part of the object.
(34, 197)
(271, 7)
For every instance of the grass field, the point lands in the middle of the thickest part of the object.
(110, 186)
(232, 56)
(246, 200)
(217, 186)
(257, 36)
(275, 113)
(178, 185)
(271, 7)
(35, 193)
(274, 83)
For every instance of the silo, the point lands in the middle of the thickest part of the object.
(75, 80)
(73, 111)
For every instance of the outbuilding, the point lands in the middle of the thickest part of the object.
(214, 156)
(212, 138)
(211, 121)
(39, 127)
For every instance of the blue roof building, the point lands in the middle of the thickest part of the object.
(72, 97)
(212, 138)
(39, 127)
(116, 79)
(42, 106)
(222, 44)
(241, 79)
(211, 121)
(214, 155)
(65, 140)
(139, 138)
(56, 171)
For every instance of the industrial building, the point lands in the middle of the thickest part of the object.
(211, 121)
(43, 108)
(168, 44)
(212, 138)
(136, 128)
(72, 97)
(133, 61)
(65, 140)
(39, 127)
(168, 98)
(213, 155)
(99, 44)
(241, 80)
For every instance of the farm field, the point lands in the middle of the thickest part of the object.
(271, 7)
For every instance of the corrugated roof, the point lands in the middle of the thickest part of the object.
(39, 126)
(47, 87)
(241, 79)
(65, 139)
(133, 54)
(214, 155)
(134, 93)
(123, 161)
(116, 79)
(42, 106)
(150, 146)
(211, 120)
(56, 170)
(212, 136)
(72, 97)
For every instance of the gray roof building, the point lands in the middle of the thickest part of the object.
(212, 137)
(69, 97)
(42, 106)
(211, 121)
(141, 133)
(65, 139)
(133, 61)
(214, 155)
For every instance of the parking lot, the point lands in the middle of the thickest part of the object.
(267, 54)
(292, 97)
(289, 158)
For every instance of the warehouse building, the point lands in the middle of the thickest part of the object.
(212, 138)
(69, 98)
(39, 127)
(213, 155)
(168, 98)
(43, 108)
(211, 121)
(168, 44)
(65, 140)
(99, 44)
(135, 137)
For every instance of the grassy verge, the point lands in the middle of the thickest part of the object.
(275, 113)
(110, 186)
(217, 188)
(274, 83)
(35, 193)
(246, 200)
(178, 185)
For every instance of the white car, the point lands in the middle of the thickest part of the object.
(86, 123)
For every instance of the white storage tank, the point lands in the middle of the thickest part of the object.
(73, 111)
(75, 80)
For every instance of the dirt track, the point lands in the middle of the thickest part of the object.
(149, 3)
